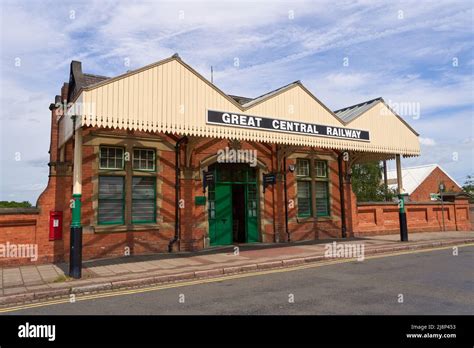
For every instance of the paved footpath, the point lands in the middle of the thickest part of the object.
(36, 283)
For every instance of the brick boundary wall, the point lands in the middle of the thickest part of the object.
(17, 226)
(471, 211)
(374, 218)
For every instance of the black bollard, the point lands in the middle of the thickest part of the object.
(403, 218)
(75, 256)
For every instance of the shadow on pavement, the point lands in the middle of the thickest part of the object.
(209, 251)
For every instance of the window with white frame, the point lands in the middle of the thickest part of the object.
(111, 157)
(144, 159)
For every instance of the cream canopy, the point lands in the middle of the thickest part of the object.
(170, 96)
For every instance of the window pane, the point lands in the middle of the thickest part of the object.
(111, 157)
(322, 201)
(252, 174)
(302, 167)
(304, 198)
(211, 204)
(111, 153)
(252, 200)
(119, 154)
(144, 159)
(143, 199)
(223, 174)
(103, 152)
(321, 169)
(111, 200)
(143, 187)
(110, 212)
(110, 187)
(103, 162)
(252, 192)
(238, 173)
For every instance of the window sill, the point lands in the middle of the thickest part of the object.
(302, 220)
(124, 228)
(143, 171)
(325, 218)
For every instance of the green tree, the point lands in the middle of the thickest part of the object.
(13, 204)
(468, 186)
(367, 183)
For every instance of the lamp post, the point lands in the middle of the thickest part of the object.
(402, 217)
(441, 189)
(75, 246)
(401, 202)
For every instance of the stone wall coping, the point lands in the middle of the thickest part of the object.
(363, 204)
(10, 211)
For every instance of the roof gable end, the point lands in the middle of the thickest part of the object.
(248, 105)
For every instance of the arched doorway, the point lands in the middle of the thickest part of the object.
(233, 204)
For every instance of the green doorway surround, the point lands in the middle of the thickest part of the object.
(233, 204)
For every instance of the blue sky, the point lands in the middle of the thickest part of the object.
(411, 53)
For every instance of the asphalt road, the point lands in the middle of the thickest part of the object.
(433, 282)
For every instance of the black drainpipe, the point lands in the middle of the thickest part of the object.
(177, 224)
(341, 193)
(286, 199)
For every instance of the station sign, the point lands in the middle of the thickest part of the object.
(278, 125)
(268, 179)
(207, 177)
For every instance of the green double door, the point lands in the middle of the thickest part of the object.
(233, 205)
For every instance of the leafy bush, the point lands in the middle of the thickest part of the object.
(367, 183)
(13, 204)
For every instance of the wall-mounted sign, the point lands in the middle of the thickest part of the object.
(206, 178)
(200, 200)
(268, 179)
(285, 126)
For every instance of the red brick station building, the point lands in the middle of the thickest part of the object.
(159, 159)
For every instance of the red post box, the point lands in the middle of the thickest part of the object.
(55, 225)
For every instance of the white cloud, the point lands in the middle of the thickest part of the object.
(427, 141)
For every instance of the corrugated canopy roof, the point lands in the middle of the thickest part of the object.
(239, 99)
(269, 94)
(347, 114)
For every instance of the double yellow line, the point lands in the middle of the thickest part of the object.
(215, 279)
